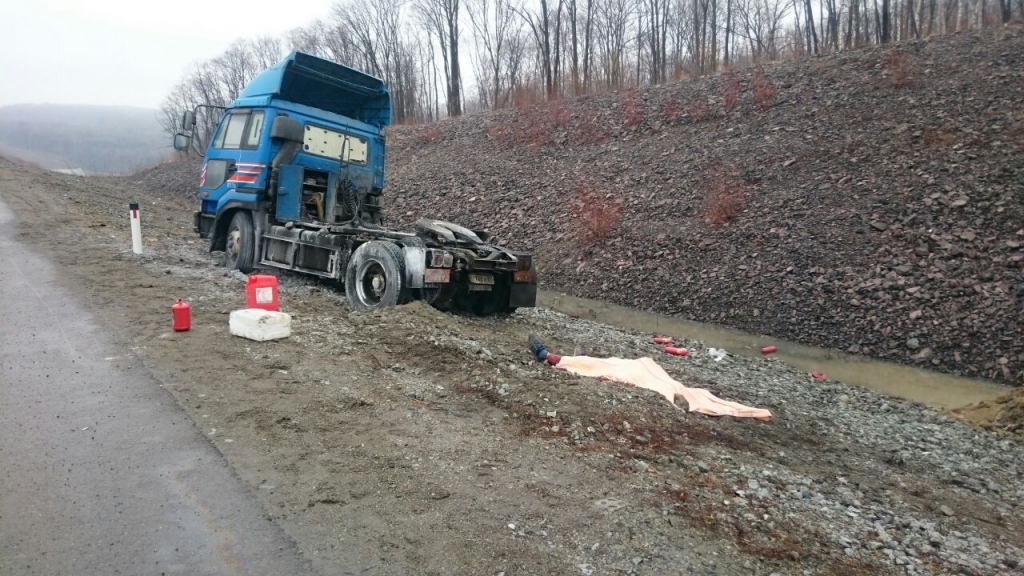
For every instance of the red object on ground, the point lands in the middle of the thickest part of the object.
(676, 351)
(552, 359)
(261, 292)
(768, 350)
(182, 313)
(664, 340)
(818, 375)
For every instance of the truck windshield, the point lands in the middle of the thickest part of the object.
(240, 129)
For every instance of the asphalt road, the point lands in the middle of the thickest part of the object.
(101, 472)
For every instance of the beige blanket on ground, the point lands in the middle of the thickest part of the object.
(646, 373)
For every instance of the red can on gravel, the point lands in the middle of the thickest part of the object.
(676, 351)
(261, 292)
(182, 314)
(769, 350)
(664, 340)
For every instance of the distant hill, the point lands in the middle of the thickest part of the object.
(94, 139)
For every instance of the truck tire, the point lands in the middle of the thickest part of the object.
(375, 277)
(240, 243)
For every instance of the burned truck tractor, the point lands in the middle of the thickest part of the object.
(293, 179)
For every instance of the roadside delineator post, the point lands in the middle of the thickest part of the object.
(133, 214)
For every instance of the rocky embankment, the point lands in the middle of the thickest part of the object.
(880, 198)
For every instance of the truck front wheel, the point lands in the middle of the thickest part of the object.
(240, 243)
(375, 276)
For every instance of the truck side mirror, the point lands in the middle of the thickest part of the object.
(181, 142)
(188, 120)
(288, 129)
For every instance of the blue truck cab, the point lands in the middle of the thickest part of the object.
(293, 178)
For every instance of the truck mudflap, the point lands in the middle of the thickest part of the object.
(523, 295)
(203, 224)
(523, 292)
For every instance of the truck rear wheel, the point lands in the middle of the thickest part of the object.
(240, 243)
(375, 276)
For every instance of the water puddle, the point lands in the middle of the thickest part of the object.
(924, 386)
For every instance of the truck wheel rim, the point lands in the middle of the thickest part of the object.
(234, 238)
(372, 283)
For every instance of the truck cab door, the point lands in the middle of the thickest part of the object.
(289, 192)
(233, 170)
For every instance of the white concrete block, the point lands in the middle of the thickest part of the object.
(260, 325)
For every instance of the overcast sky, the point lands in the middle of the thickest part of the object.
(125, 52)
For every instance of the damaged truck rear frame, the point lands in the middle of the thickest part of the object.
(293, 179)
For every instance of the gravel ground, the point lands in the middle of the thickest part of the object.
(409, 441)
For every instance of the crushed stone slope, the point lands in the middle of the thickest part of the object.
(882, 216)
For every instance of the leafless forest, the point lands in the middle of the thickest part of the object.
(524, 52)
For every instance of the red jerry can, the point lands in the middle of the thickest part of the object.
(261, 292)
(664, 340)
(182, 313)
(676, 351)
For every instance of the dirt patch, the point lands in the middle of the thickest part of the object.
(1004, 414)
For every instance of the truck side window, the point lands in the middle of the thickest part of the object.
(255, 130)
(331, 144)
(231, 131)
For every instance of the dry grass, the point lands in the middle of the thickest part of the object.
(595, 214)
(430, 132)
(699, 108)
(730, 91)
(558, 114)
(524, 97)
(724, 199)
(763, 90)
(1017, 135)
(899, 70)
(632, 109)
(501, 133)
(537, 134)
(670, 112)
(591, 131)
(936, 138)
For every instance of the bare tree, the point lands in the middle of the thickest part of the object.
(614, 18)
(540, 24)
(375, 26)
(681, 37)
(441, 19)
(657, 13)
(497, 33)
(761, 22)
